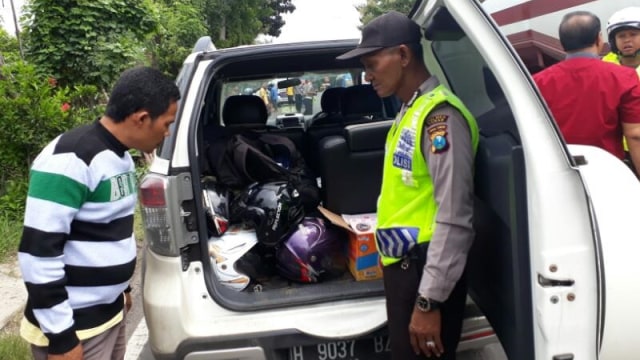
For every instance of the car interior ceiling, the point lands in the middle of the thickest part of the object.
(282, 64)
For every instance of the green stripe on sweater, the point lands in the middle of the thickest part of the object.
(57, 188)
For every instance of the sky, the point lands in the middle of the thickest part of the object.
(321, 20)
(312, 20)
(5, 14)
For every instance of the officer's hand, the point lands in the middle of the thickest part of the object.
(424, 333)
(73, 354)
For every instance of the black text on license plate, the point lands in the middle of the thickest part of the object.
(376, 348)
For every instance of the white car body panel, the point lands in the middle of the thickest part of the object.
(615, 194)
(195, 308)
(559, 227)
(180, 157)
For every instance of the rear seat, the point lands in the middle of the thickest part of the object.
(248, 112)
(351, 167)
(358, 104)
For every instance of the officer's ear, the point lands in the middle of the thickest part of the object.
(405, 54)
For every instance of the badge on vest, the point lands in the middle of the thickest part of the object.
(438, 137)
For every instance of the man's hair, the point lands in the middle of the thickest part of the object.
(141, 88)
(579, 30)
(418, 53)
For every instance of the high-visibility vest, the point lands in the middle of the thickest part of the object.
(615, 59)
(407, 208)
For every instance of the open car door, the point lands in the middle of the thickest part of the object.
(534, 268)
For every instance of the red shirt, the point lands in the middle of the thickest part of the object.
(590, 99)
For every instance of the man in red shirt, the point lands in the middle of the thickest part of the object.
(594, 102)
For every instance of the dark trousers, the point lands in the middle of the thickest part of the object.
(298, 102)
(401, 288)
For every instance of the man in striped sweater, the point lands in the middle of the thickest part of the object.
(77, 252)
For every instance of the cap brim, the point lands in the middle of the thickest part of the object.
(357, 52)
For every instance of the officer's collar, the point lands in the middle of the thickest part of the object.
(428, 85)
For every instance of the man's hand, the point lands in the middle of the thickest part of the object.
(127, 301)
(73, 354)
(424, 329)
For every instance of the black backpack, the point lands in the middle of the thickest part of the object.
(242, 159)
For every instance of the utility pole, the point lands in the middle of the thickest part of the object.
(15, 22)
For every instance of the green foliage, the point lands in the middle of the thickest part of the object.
(13, 347)
(34, 111)
(375, 8)
(180, 25)
(10, 233)
(238, 22)
(86, 42)
(9, 49)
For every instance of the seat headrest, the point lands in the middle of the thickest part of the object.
(330, 100)
(244, 110)
(361, 100)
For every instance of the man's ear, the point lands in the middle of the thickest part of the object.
(600, 43)
(405, 54)
(138, 118)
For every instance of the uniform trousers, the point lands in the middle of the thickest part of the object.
(401, 284)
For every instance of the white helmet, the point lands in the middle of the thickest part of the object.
(625, 18)
(226, 251)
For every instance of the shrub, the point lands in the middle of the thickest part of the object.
(34, 111)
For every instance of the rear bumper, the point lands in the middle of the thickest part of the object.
(184, 322)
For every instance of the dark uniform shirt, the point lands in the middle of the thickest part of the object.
(452, 174)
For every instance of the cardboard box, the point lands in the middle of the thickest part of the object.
(362, 254)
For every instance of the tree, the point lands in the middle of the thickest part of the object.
(238, 22)
(86, 41)
(180, 25)
(375, 8)
(273, 23)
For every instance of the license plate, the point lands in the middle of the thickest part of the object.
(376, 348)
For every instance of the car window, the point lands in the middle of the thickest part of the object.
(467, 73)
(310, 84)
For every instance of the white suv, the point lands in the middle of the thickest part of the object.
(547, 222)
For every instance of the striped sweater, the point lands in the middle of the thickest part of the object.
(77, 251)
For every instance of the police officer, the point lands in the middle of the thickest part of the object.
(623, 30)
(425, 207)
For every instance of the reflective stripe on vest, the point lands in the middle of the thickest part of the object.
(406, 207)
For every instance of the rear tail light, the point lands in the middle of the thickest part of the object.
(153, 203)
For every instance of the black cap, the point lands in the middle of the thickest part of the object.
(390, 29)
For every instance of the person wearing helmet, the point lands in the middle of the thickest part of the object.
(623, 30)
(426, 201)
(593, 102)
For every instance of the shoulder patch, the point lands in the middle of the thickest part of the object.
(437, 119)
(438, 137)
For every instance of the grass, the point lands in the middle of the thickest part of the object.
(12, 346)
(10, 232)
